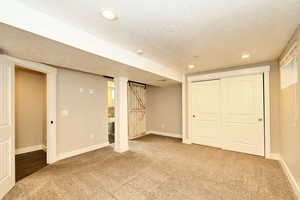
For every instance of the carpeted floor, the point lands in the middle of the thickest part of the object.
(158, 168)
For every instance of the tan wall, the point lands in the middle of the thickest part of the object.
(30, 108)
(164, 109)
(290, 121)
(86, 123)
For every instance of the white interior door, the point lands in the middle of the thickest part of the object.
(205, 111)
(242, 114)
(7, 149)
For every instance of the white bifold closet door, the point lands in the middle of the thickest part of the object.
(228, 113)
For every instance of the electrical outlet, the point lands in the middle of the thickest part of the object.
(162, 126)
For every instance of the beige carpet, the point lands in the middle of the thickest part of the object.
(158, 168)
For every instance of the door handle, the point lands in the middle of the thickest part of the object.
(260, 119)
(194, 116)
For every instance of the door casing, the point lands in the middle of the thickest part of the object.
(51, 74)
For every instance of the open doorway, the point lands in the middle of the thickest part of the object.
(30, 121)
(111, 110)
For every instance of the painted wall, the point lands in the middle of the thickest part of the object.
(163, 107)
(290, 120)
(30, 108)
(81, 113)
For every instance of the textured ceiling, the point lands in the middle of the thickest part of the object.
(25, 45)
(210, 34)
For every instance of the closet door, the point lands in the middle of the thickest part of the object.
(205, 112)
(242, 114)
(7, 126)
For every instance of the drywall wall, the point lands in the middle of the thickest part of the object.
(163, 109)
(30, 108)
(290, 120)
(81, 110)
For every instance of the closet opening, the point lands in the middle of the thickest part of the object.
(30, 121)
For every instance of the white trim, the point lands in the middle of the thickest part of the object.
(267, 114)
(174, 135)
(44, 147)
(274, 156)
(185, 138)
(28, 149)
(51, 101)
(288, 173)
(81, 151)
(265, 70)
(218, 75)
(189, 113)
(51, 116)
(287, 55)
(32, 65)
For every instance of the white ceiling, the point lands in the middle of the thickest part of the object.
(26, 45)
(210, 34)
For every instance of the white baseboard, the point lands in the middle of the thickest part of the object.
(164, 134)
(288, 173)
(44, 147)
(274, 156)
(28, 149)
(186, 141)
(81, 151)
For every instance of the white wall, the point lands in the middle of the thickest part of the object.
(86, 122)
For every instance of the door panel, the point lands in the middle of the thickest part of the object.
(7, 159)
(205, 111)
(242, 114)
(136, 111)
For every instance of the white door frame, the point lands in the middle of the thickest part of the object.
(51, 102)
(264, 70)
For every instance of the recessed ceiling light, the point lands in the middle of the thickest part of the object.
(245, 56)
(109, 15)
(139, 51)
(191, 66)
